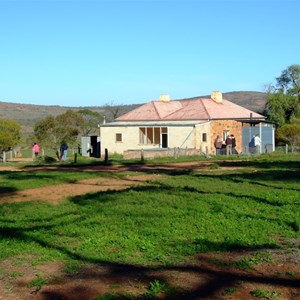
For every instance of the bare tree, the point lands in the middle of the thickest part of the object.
(114, 110)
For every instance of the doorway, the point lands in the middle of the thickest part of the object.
(164, 140)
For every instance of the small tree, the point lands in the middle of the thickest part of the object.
(283, 101)
(69, 125)
(281, 108)
(52, 131)
(289, 81)
(46, 132)
(10, 134)
(114, 110)
(290, 133)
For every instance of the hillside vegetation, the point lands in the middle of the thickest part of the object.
(27, 114)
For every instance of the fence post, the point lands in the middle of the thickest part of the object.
(106, 156)
(142, 155)
(286, 148)
(75, 158)
(4, 156)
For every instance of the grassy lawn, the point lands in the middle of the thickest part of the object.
(254, 204)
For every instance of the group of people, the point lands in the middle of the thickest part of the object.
(230, 144)
(62, 155)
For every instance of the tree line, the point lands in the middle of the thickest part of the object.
(51, 131)
(283, 105)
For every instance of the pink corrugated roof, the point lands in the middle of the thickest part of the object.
(188, 109)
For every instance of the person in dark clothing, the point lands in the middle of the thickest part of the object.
(63, 151)
(218, 145)
(233, 141)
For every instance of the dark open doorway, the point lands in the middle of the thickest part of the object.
(164, 140)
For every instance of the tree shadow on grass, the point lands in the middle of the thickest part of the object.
(216, 280)
(261, 164)
(212, 280)
(275, 179)
(7, 190)
(161, 188)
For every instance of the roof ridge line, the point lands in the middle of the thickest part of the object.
(173, 112)
(201, 101)
(153, 102)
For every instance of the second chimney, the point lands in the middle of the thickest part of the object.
(217, 96)
(164, 98)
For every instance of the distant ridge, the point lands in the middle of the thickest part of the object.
(255, 101)
(28, 114)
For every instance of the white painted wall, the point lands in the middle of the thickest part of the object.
(178, 136)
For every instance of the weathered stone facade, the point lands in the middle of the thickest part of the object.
(233, 127)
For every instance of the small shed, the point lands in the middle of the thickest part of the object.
(266, 132)
(90, 146)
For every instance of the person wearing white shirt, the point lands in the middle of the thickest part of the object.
(257, 143)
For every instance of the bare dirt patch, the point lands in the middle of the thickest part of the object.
(57, 193)
(205, 276)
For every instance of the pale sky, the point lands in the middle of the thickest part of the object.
(91, 53)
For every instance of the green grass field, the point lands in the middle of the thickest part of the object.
(252, 205)
(163, 222)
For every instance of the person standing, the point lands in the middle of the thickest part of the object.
(218, 145)
(233, 141)
(228, 145)
(36, 150)
(251, 145)
(257, 144)
(63, 151)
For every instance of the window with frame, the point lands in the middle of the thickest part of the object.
(151, 135)
(118, 137)
(225, 134)
(142, 134)
(204, 137)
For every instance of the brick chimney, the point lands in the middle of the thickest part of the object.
(164, 98)
(217, 96)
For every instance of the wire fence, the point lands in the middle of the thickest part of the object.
(26, 154)
(287, 149)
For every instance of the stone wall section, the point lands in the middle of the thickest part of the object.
(234, 127)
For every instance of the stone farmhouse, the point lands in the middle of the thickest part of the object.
(158, 127)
